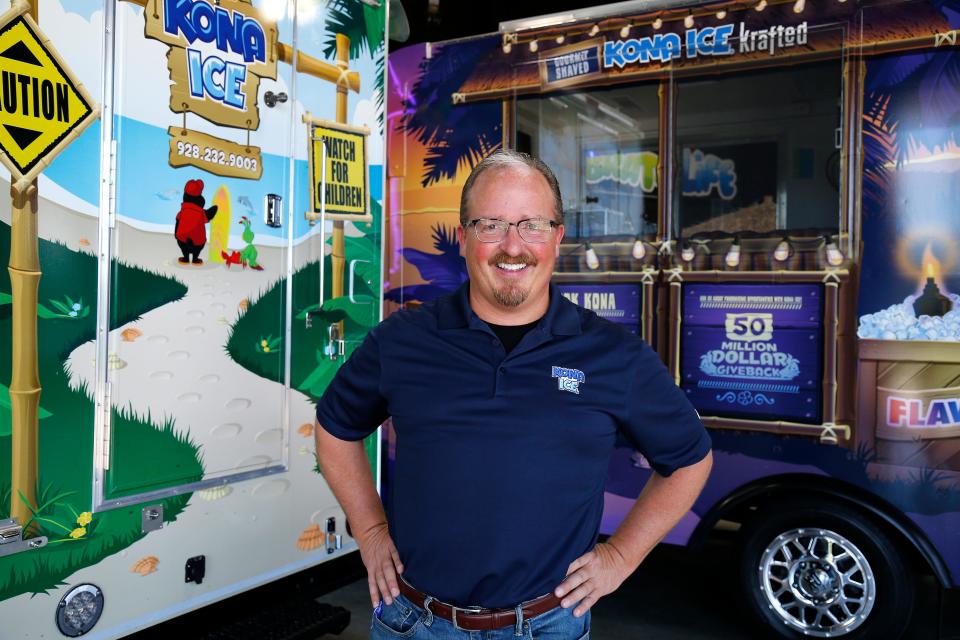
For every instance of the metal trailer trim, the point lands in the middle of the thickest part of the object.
(106, 215)
(190, 487)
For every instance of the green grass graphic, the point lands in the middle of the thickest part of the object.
(66, 434)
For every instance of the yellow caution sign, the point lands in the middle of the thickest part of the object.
(42, 105)
(343, 190)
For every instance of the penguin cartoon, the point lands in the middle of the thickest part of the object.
(190, 230)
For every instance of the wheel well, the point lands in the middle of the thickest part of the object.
(741, 504)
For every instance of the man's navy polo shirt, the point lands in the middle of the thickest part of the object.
(501, 459)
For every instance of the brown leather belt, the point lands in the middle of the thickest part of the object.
(477, 619)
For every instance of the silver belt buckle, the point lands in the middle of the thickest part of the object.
(467, 610)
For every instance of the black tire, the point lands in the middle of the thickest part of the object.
(813, 583)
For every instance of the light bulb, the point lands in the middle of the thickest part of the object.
(625, 31)
(733, 254)
(687, 253)
(560, 39)
(593, 262)
(657, 23)
(799, 6)
(594, 30)
(506, 47)
(639, 249)
(834, 255)
(688, 21)
(534, 46)
(782, 251)
(721, 14)
(761, 5)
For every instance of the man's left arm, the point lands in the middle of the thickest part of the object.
(661, 504)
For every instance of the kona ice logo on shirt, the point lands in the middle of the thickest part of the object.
(568, 379)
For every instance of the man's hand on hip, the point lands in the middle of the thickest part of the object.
(592, 576)
(382, 561)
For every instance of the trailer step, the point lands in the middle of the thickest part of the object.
(299, 619)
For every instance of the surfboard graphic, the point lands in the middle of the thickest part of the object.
(219, 226)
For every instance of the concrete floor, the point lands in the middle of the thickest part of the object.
(678, 594)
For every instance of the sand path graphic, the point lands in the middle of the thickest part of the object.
(178, 366)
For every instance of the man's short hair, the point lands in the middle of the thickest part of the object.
(505, 159)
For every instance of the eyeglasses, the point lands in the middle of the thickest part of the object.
(532, 230)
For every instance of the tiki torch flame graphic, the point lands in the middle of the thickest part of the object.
(931, 302)
(931, 268)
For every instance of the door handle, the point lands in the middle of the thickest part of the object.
(353, 266)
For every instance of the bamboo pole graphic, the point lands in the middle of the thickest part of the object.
(338, 253)
(24, 268)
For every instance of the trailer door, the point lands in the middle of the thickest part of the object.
(202, 144)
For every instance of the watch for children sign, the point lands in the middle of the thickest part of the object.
(340, 190)
(42, 105)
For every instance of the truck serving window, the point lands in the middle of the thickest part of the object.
(757, 152)
(602, 144)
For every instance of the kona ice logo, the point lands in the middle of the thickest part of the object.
(708, 41)
(568, 379)
(636, 169)
(219, 51)
(231, 32)
(664, 47)
(909, 412)
(702, 173)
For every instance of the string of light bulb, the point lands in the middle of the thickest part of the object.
(688, 16)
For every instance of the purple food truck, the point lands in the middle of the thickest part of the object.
(766, 192)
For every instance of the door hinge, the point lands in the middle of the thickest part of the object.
(112, 186)
(106, 424)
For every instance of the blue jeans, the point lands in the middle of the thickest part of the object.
(403, 619)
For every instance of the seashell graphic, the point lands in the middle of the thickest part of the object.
(84, 242)
(146, 565)
(215, 493)
(115, 362)
(306, 429)
(130, 334)
(244, 304)
(311, 538)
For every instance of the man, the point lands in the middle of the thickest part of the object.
(506, 399)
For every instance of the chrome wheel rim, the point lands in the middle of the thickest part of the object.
(817, 582)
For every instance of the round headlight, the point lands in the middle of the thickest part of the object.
(79, 610)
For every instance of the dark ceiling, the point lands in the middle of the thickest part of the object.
(461, 18)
